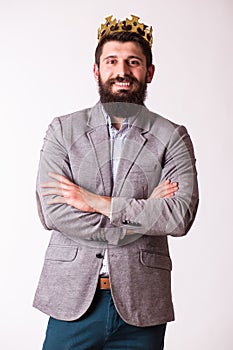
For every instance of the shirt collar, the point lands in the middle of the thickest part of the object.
(109, 122)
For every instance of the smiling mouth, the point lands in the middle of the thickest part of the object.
(122, 82)
(122, 85)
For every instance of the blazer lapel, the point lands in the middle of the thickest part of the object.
(134, 143)
(99, 140)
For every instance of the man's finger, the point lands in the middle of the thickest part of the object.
(57, 200)
(60, 178)
(53, 191)
(49, 184)
(169, 195)
(55, 184)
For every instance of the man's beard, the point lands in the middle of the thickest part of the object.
(122, 103)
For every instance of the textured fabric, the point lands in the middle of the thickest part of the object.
(77, 146)
(101, 328)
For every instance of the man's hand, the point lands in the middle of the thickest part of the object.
(69, 193)
(165, 189)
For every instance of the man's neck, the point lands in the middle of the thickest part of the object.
(117, 122)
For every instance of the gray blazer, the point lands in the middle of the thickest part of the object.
(77, 146)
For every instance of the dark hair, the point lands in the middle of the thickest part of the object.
(125, 37)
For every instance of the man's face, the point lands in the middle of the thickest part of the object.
(122, 74)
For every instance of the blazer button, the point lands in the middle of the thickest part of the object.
(99, 256)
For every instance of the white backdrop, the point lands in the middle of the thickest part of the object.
(47, 54)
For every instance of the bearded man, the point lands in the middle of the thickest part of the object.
(114, 182)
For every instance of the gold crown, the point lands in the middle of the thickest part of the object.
(112, 26)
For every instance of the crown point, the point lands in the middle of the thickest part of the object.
(127, 25)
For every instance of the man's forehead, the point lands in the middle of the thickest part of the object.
(117, 48)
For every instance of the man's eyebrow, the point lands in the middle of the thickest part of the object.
(128, 58)
(138, 58)
(110, 56)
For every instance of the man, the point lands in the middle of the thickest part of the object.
(114, 181)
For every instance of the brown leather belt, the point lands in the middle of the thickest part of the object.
(104, 283)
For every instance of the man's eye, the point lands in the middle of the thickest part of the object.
(134, 63)
(112, 61)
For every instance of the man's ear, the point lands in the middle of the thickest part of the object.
(96, 72)
(150, 73)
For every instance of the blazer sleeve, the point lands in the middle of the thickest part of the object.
(172, 216)
(73, 223)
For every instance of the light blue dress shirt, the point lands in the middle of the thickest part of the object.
(116, 139)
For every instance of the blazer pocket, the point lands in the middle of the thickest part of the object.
(151, 259)
(61, 253)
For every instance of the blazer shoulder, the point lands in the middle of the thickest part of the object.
(65, 129)
(75, 123)
(164, 128)
(163, 122)
(80, 116)
(82, 120)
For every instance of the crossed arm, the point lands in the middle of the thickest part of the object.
(82, 214)
(69, 193)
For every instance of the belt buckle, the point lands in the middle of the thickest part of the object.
(104, 283)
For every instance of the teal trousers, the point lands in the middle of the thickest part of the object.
(101, 328)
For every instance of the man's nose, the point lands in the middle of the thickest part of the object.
(122, 69)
